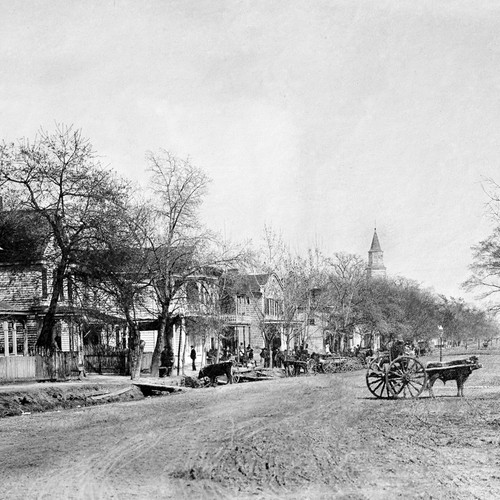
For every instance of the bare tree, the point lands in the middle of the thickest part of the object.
(181, 249)
(116, 274)
(342, 294)
(59, 177)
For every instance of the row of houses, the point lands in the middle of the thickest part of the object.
(251, 305)
(248, 310)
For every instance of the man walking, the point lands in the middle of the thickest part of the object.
(193, 357)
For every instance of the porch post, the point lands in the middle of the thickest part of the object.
(25, 338)
(70, 335)
(5, 327)
(14, 338)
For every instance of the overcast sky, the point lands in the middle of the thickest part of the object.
(317, 118)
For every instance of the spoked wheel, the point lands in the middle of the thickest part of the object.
(205, 382)
(236, 376)
(377, 379)
(312, 367)
(406, 377)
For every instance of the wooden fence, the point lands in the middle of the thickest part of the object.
(50, 365)
(46, 365)
(106, 360)
(15, 368)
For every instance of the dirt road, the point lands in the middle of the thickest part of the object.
(308, 437)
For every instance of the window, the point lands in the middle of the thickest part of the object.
(45, 291)
(240, 304)
(272, 307)
(192, 292)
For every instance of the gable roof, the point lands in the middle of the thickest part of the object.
(24, 235)
(244, 284)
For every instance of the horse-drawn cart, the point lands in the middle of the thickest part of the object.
(406, 376)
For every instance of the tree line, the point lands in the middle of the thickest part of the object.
(132, 248)
(335, 289)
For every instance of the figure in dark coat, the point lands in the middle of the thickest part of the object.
(193, 357)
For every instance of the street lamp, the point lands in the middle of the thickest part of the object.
(440, 328)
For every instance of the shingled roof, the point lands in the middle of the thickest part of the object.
(24, 236)
(243, 284)
(8, 308)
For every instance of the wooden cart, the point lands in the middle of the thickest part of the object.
(406, 376)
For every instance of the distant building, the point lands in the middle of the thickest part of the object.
(376, 268)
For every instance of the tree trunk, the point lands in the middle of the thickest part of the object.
(164, 338)
(179, 352)
(135, 346)
(136, 360)
(184, 355)
(160, 345)
(203, 351)
(47, 335)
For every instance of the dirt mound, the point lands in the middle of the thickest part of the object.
(50, 398)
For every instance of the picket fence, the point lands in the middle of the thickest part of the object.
(45, 365)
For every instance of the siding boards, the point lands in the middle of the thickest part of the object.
(149, 336)
(17, 368)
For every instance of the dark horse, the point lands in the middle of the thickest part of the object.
(217, 370)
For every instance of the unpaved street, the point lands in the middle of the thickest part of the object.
(308, 437)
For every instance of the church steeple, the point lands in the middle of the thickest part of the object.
(376, 266)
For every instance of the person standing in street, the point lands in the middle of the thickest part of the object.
(193, 357)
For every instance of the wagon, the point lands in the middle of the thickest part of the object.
(293, 367)
(405, 376)
(320, 363)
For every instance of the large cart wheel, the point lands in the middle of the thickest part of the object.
(406, 377)
(377, 379)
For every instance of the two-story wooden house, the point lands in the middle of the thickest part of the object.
(27, 257)
(252, 306)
